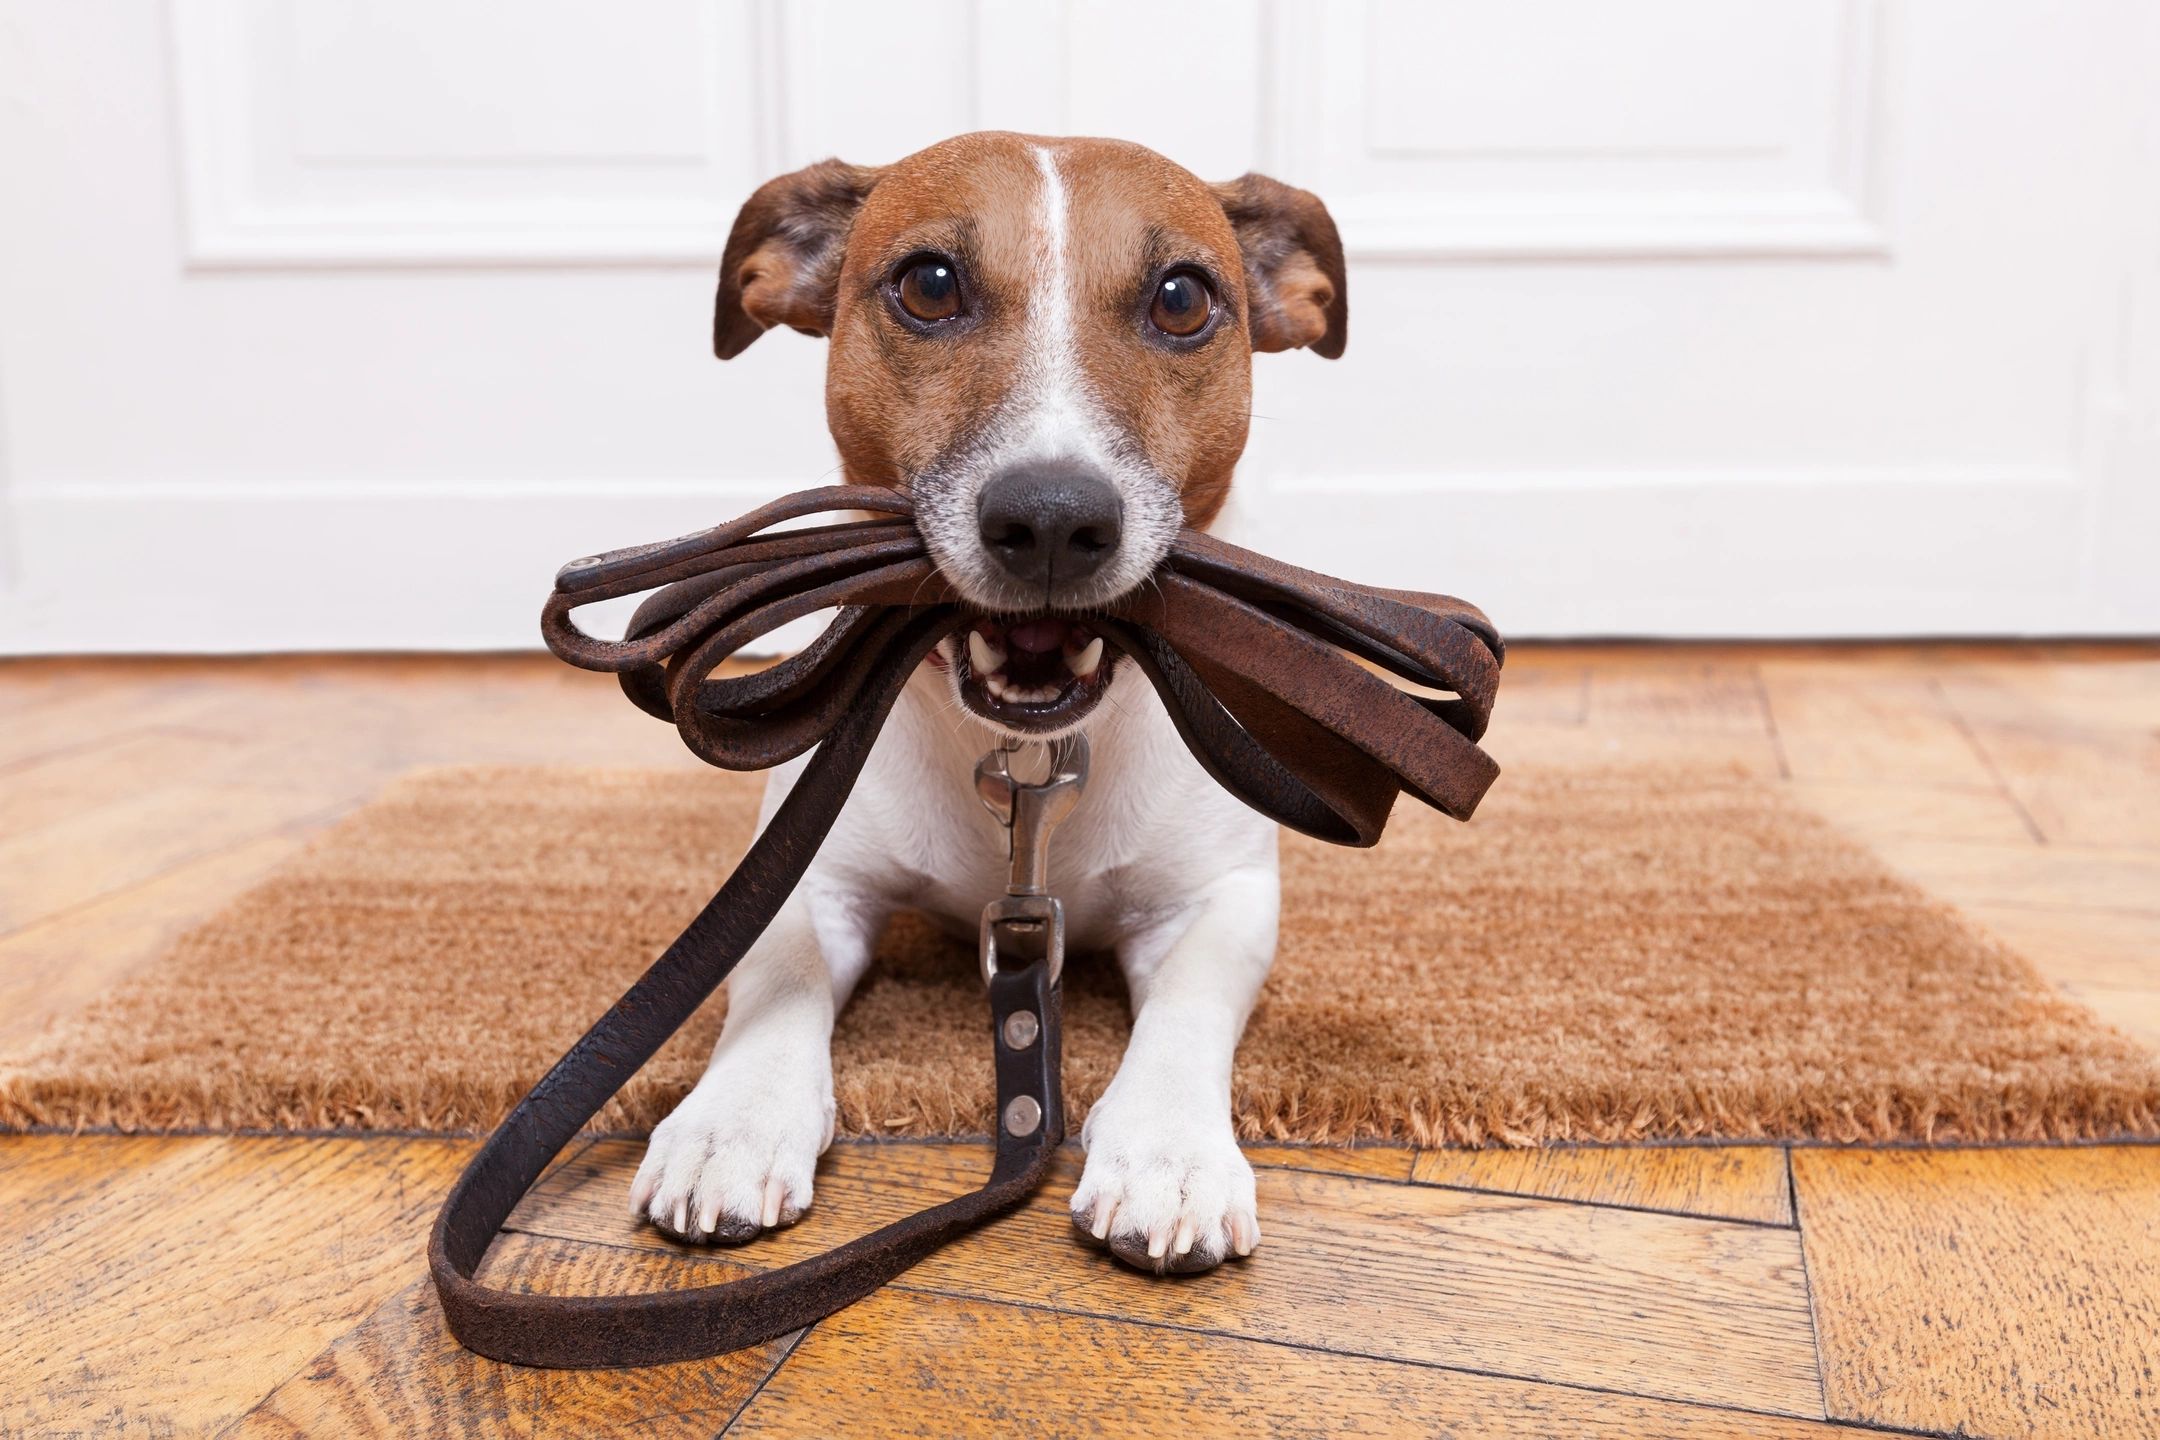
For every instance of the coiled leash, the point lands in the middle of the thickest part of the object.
(1258, 665)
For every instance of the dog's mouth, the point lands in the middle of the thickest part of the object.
(1034, 676)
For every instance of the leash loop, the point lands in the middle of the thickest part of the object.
(1274, 676)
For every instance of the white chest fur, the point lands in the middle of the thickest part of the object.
(1152, 829)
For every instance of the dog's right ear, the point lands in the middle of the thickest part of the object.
(782, 265)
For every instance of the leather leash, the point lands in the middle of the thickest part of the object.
(1258, 664)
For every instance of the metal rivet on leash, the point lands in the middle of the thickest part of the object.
(1021, 1028)
(1023, 1115)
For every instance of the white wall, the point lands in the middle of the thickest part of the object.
(340, 323)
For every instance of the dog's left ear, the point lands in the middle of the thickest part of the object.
(782, 265)
(1294, 285)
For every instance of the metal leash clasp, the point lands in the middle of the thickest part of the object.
(1027, 923)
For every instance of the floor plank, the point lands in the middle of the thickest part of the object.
(2046, 876)
(80, 714)
(1853, 722)
(1670, 1306)
(1872, 810)
(1730, 1182)
(2085, 773)
(186, 1278)
(1381, 1162)
(2087, 946)
(903, 1364)
(45, 1178)
(1990, 1292)
(55, 787)
(1752, 754)
(401, 1373)
(1548, 695)
(2134, 1010)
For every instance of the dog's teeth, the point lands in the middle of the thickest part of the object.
(1084, 663)
(985, 657)
(997, 687)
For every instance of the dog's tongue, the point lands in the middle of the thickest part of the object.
(1037, 637)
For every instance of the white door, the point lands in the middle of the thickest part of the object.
(341, 322)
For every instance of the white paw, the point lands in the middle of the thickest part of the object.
(1165, 1191)
(736, 1157)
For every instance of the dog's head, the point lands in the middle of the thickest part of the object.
(1048, 344)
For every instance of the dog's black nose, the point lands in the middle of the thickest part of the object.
(1050, 524)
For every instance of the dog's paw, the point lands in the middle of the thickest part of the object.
(1170, 1194)
(731, 1163)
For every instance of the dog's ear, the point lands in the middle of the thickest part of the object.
(782, 265)
(1295, 290)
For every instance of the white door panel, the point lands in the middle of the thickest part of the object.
(1814, 317)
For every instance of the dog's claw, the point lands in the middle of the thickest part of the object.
(775, 1195)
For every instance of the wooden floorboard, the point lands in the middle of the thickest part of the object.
(177, 1286)
(2085, 776)
(1917, 812)
(2039, 876)
(1854, 722)
(172, 1283)
(1728, 1182)
(1507, 1284)
(906, 1364)
(2119, 948)
(400, 1373)
(1989, 1292)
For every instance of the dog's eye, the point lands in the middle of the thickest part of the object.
(1182, 304)
(930, 289)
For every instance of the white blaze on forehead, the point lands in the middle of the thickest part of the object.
(1051, 405)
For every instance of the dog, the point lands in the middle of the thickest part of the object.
(1047, 343)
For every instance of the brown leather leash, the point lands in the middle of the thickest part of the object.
(1258, 664)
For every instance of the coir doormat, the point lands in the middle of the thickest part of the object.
(1601, 956)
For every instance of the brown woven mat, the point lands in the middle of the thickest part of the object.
(1613, 956)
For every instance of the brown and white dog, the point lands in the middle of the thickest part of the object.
(1047, 342)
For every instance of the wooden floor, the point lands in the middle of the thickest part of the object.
(256, 1285)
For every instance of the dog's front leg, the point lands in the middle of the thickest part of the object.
(1166, 1187)
(736, 1156)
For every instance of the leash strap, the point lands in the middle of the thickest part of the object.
(1259, 664)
